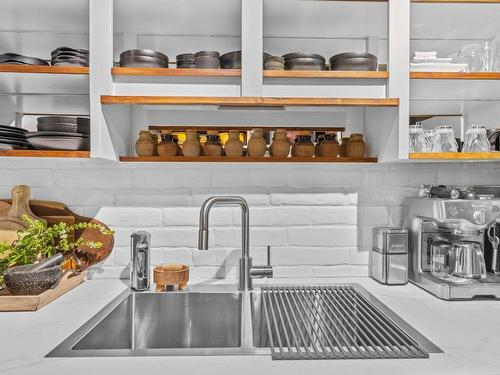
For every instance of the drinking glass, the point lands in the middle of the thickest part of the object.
(476, 139)
(444, 140)
(418, 140)
(490, 54)
(439, 252)
(474, 56)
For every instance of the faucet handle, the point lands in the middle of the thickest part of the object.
(257, 272)
(268, 255)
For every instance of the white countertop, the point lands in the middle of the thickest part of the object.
(467, 332)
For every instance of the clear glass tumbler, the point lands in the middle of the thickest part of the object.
(418, 141)
(444, 140)
(476, 139)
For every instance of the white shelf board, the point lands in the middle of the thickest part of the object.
(44, 83)
(53, 15)
(453, 89)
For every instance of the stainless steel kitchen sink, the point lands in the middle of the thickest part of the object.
(286, 322)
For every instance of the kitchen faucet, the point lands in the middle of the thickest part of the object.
(247, 271)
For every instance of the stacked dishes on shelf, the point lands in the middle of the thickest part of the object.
(304, 61)
(12, 138)
(207, 60)
(61, 133)
(16, 59)
(143, 58)
(274, 62)
(231, 60)
(357, 61)
(185, 61)
(65, 56)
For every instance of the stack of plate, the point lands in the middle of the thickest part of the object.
(231, 60)
(361, 61)
(61, 133)
(207, 60)
(185, 60)
(16, 59)
(274, 63)
(304, 61)
(13, 138)
(65, 56)
(143, 58)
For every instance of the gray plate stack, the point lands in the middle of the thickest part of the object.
(185, 61)
(360, 61)
(207, 60)
(61, 133)
(143, 58)
(66, 56)
(304, 61)
(12, 138)
(16, 59)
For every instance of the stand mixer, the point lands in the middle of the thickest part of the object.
(447, 238)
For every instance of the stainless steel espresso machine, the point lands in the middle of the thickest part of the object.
(449, 231)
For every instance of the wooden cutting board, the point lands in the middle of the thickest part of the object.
(9, 302)
(12, 222)
(56, 212)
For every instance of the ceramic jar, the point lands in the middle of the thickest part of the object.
(168, 146)
(343, 147)
(233, 146)
(329, 146)
(257, 145)
(280, 146)
(191, 146)
(356, 147)
(212, 146)
(145, 145)
(303, 146)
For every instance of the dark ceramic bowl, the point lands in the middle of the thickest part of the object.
(21, 281)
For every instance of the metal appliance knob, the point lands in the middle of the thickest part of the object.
(479, 217)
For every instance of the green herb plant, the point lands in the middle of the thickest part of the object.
(38, 241)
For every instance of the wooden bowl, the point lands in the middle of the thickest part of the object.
(170, 274)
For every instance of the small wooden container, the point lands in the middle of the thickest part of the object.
(170, 274)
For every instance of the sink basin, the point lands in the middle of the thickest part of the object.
(336, 322)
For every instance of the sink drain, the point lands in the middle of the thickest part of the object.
(331, 322)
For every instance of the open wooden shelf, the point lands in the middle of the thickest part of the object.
(45, 154)
(222, 128)
(44, 69)
(457, 1)
(455, 155)
(456, 75)
(325, 74)
(244, 159)
(247, 101)
(168, 72)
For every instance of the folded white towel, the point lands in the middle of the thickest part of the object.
(425, 53)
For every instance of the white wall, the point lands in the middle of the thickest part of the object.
(315, 217)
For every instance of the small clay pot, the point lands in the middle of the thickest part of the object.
(168, 146)
(343, 147)
(329, 146)
(280, 146)
(303, 146)
(257, 145)
(191, 146)
(145, 145)
(212, 146)
(356, 147)
(233, 146)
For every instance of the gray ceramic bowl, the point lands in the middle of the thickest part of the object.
(360, 61)
(20, 281)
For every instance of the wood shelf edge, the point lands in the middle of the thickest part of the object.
(483, 76)
(244, 159)
(44, 69)
(44, 154)
(325, 74)
(247, 101)
(454, 155)
(173, 72)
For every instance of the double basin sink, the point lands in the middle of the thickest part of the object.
(218, 322)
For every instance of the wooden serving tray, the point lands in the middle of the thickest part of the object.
(9, 302)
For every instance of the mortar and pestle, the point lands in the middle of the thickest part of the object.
(33, 279)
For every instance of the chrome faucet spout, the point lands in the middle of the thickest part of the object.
(245, 276)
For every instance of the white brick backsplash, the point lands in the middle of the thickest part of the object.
(335, 199)
(338, 236)
(130, 216)
(316, 218)
(335, 215)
